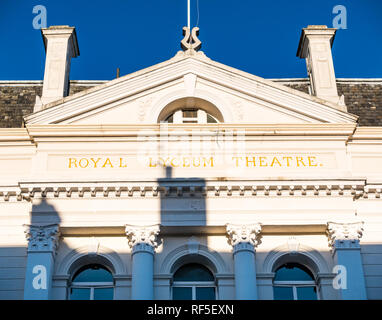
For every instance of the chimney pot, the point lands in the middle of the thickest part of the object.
(61, 46)
(315, 47)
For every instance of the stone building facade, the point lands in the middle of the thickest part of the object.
(191, 179)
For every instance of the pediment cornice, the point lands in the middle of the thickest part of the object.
(109, 94)
(322, 132)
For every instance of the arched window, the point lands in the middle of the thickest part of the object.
(193, 282)
(190, 110)
(92, 282)
(190, 115)
(294, 281)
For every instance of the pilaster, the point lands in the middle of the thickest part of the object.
(42, 247)
(344, 239)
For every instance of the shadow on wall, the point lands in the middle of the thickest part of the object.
(13, 266)
(13, 259)
(43, 213)
(175, 207)
(183, 214)
(182, 202)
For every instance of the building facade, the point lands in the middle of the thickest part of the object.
(191, 180)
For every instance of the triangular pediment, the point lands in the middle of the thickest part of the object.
(240, 97)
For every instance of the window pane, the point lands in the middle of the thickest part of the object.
(170, 119)
(103, 293)
(283, 293)
(193, 272)
(293, 272)
(93, 273)
(179, 293)
(205, 293)
(210, 119)
(190, 113)
(306, 293)
(79, 294)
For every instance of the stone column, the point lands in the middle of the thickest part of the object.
(244, 239)
(346, 250)
(143, 242)
(42, 246)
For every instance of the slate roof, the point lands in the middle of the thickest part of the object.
(363, 97)
(17, 99)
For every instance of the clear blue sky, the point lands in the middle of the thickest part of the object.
(257, 36)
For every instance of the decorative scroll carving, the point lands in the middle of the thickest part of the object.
(142, 235)
(244, 234)
(344, 231)
(42, 238)
(191, 40)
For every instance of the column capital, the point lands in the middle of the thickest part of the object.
(42, 238)
(344, 235)
(244, 234)
(142, 237)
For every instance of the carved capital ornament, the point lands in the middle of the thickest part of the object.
(42, 238)
(344, 232)
(244, 234)
(142, 235)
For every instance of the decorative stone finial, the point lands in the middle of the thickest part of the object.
(42, 238)
(190, 40)
(244, 234)
(142, 235)
(344, 231)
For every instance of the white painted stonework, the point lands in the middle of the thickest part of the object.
(61, 45)
(280, 163)
(315, 46)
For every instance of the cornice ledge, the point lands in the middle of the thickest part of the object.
(367, 133)
(298, 130)
(188, 187)
(15, 136)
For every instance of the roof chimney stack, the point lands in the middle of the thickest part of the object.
(316, 47)
(61, 46)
